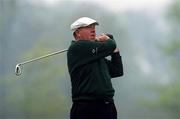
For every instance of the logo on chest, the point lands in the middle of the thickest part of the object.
(94, 50)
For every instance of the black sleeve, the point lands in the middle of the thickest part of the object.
(83, 52)
(115, 65)
(87, 51)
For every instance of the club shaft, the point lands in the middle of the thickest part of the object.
(45, 56)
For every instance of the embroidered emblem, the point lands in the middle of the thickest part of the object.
(95, 50)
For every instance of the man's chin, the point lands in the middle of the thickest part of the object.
(93, 38)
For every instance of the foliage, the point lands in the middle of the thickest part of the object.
(169, 95)
(37, 92)
(174, 11)
(173, 53)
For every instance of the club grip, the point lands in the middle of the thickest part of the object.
(109, 35)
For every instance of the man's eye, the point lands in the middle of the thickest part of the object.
(90, 26)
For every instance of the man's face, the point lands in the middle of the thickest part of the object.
(86, 33)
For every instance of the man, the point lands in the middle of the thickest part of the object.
(91, 72)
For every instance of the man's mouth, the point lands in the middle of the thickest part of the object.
(93, 35)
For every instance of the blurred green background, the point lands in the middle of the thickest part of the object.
(147, 34)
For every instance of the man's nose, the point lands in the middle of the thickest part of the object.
(92, 31)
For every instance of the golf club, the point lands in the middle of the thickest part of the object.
(18, 68)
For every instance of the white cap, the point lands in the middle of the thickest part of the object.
(83, 22)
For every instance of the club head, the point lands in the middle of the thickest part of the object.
(18, 70)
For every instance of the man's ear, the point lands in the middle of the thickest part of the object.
(77, 33)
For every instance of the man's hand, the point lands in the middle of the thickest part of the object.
(102, 38)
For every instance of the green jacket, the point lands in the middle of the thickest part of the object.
(91, 72)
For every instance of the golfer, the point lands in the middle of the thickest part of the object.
(91, 72)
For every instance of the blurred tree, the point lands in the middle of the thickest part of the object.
(174, 11)
(7, 12)
(38, 94)
(169, 95)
